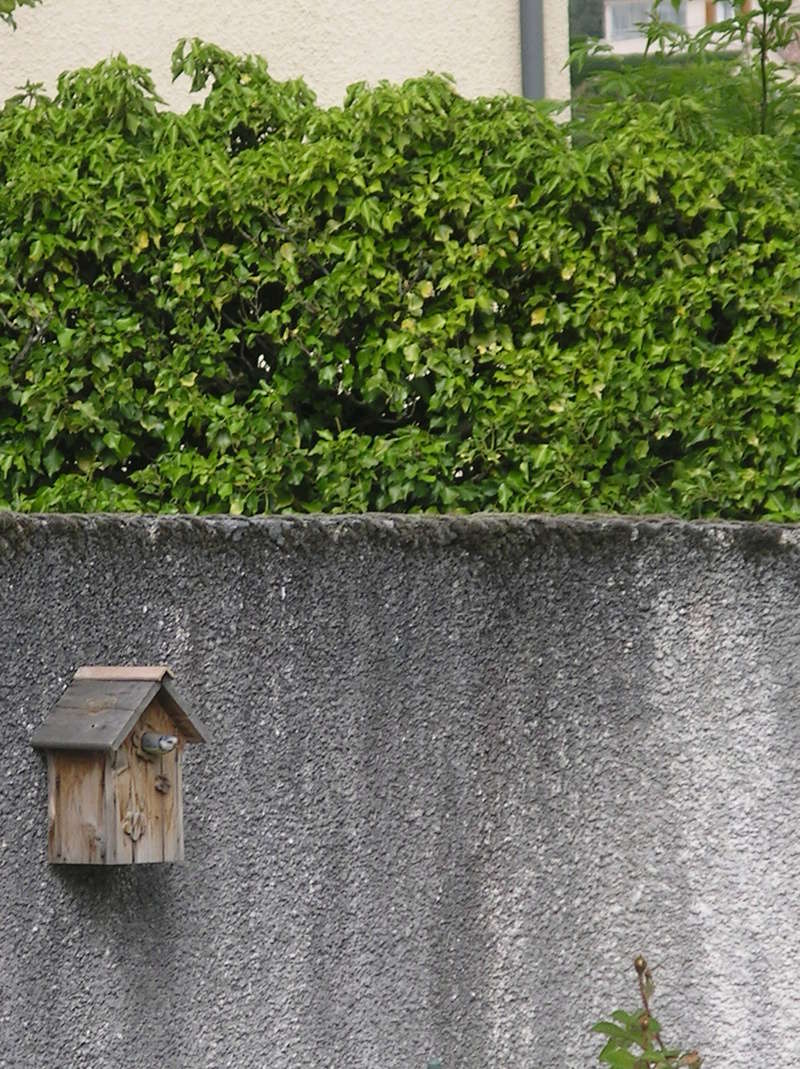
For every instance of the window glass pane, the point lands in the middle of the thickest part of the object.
(625, 14)
(586, 18)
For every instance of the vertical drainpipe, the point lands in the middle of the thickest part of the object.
(532, 33)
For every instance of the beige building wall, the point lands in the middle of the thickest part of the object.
(555, 16)
(331, 43)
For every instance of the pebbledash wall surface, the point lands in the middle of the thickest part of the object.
(462, 770)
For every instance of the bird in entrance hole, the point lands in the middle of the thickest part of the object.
(155, 744)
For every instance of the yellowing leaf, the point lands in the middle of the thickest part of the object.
(538, 316)
(426, 288)
(567, 272)
(142, 241)
(189, 380)
(179, 228)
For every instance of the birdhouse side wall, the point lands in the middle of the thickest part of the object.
(76, 825)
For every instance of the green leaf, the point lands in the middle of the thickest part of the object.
(619, 1058)
(52, 460)
(607, 1028)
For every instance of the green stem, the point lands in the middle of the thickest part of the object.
(763, 48)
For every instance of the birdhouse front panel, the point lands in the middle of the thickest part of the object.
(144, 793)
(114, 743)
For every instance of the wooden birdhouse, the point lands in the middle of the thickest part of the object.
(114, 743)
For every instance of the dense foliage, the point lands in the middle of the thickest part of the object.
(413, 301)
(739, 70)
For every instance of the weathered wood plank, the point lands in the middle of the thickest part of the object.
(125, 693)
(185, 719)
(78, 806)
(149, 848)
(172, 805)
(53, 800)
(178, 808)
(151, 672)
(122, 846)
(93, 716)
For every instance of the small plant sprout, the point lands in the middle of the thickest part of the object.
(633, 1040)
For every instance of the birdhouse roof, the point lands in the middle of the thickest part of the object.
(101, 705)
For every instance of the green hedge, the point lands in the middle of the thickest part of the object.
(413, 301)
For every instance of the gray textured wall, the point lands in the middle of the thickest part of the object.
(462, 771)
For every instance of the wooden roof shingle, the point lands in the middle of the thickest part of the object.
(101, 705)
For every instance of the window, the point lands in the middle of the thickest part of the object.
(622, 16)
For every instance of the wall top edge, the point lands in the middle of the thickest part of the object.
(472, 529)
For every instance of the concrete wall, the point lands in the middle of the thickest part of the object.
(462, 771)
(330, 45)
